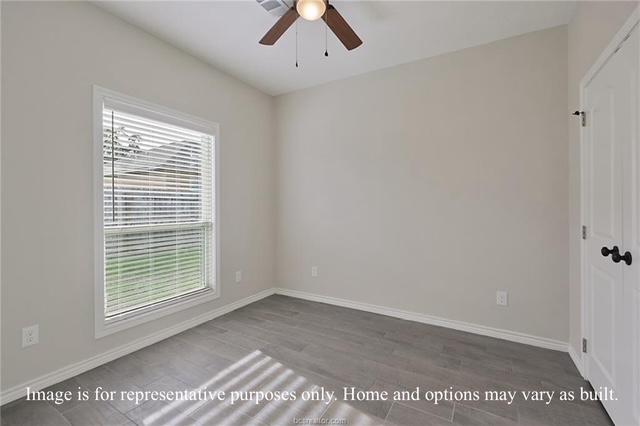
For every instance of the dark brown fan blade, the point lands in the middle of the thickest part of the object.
(341, 29)
(280, 27)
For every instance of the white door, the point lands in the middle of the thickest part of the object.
(612, 217)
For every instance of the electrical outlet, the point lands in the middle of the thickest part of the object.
(314, 271)
(30, 335)
(502, 298)
(238, 276)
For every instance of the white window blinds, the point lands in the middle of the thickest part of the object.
(158, 211)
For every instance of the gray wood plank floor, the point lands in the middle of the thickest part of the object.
(283, 343)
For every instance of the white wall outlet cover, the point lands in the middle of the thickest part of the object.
(502, 298)
(314, 271)
(238, 276)
(30, 335)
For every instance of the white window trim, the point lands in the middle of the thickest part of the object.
(104, 327)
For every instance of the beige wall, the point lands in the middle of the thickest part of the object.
(592, 28)
(429, 186)
(52, 54)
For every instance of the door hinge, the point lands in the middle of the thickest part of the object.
(584, 345)
(583, 117)
(584, 232)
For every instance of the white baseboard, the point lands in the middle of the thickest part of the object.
(498, 333)
(72, 370)
(576, 357)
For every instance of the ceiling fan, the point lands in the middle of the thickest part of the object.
(312, 10)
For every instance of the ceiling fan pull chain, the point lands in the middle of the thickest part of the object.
(296, 44)
(326, 25)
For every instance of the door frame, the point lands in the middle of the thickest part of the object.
(603, 58)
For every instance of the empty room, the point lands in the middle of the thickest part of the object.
(319, 212)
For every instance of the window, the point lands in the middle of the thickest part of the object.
(156, 179)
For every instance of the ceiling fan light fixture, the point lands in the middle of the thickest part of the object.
(311, 10)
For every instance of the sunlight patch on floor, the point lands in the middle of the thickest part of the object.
(254, 372)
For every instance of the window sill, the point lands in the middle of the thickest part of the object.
(105, 327)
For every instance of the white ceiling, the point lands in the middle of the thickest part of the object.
(226, 33)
